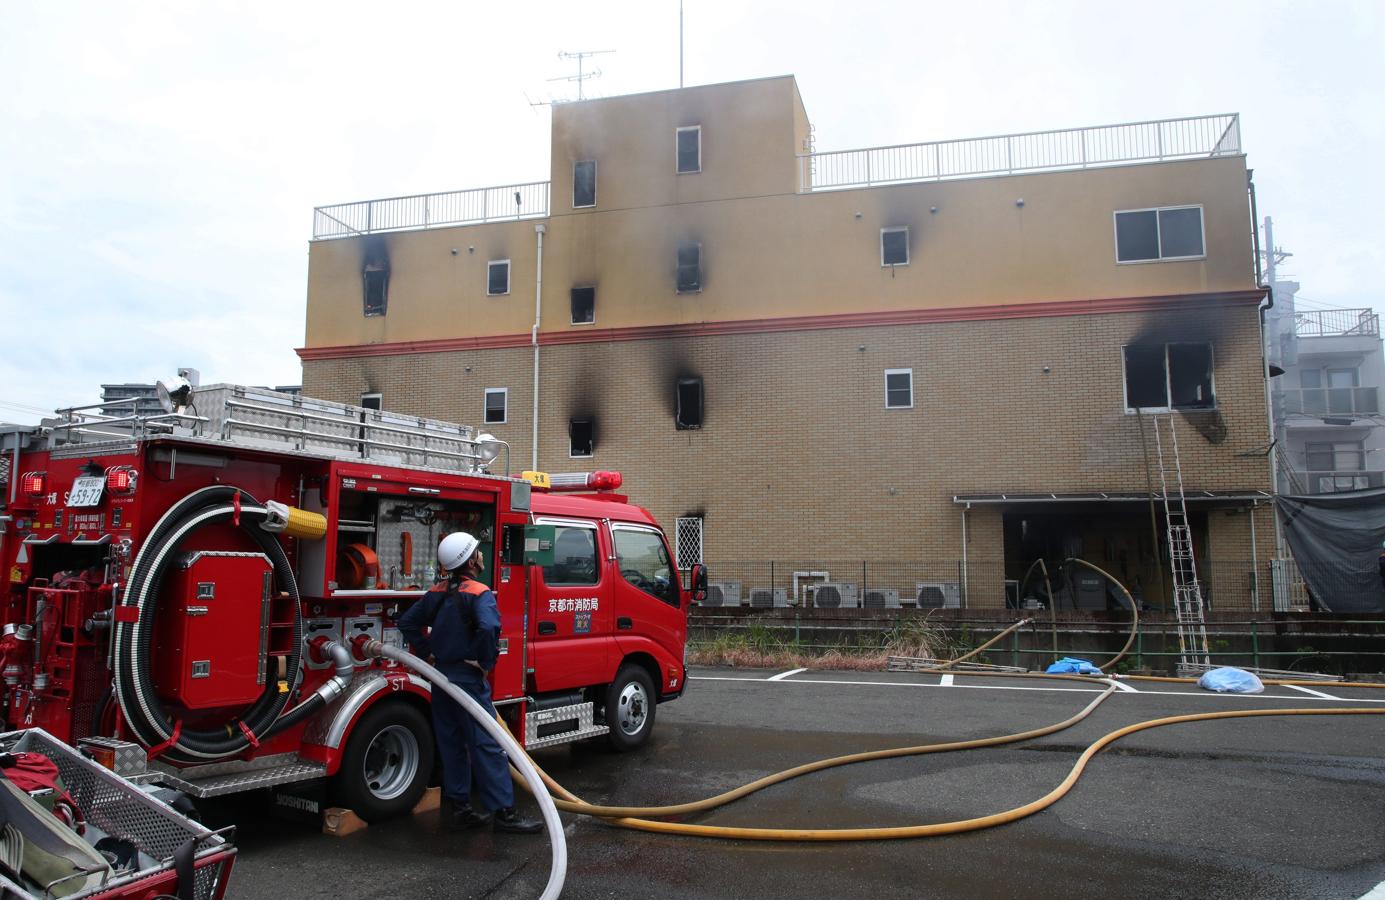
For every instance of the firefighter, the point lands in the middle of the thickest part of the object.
(463, 642)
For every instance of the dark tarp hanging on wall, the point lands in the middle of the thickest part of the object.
(1336, 540)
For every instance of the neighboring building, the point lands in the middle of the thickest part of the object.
(905, 369)
(143, 399)
(1326, 404)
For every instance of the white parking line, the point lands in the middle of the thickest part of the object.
(1311, 691)
(782, 675)
(1015, 687)
(1375, 893)
(945, 680)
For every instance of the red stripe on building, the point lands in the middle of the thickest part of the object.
(795, 323)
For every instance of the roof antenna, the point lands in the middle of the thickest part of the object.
(581, 56)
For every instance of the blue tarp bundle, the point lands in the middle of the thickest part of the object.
(1227, 680)
(1071, 665)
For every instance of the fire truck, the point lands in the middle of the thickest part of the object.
(194, 586)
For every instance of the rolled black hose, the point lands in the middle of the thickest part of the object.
(139, 702)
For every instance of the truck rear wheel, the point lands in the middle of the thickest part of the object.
(630, 703)
(388, 760)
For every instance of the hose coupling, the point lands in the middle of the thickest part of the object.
(293, 522)
(367, 647)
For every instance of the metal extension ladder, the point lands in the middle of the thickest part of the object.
(1187, 592)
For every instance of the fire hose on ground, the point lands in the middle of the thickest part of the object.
(528, 772)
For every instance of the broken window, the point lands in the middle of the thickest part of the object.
(894, 246)
(584, 183)
(498, 277)
(1144, 235)
(496, 405)
(689, 149)
(689, 268)
(899, 388)
(376, 277)
(583, 305)
(689, 409)
(581, 436)
(1169, 376)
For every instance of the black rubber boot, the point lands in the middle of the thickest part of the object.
(509, 820)
(463, 817)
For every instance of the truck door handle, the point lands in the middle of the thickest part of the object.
(624, 622)
(548, 628)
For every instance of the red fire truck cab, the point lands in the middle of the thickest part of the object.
(199, 584)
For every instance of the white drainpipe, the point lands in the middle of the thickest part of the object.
(534, 339)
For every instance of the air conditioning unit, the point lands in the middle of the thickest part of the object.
(937, 595)
(768, 598)
(880, 598)
(723, 593)
(834, 595)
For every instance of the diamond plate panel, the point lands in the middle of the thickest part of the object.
(130, 759)
(582, 712)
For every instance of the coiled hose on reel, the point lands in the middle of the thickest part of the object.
(135, 691)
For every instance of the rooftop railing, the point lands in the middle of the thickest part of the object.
(469, 207)
(1337, 323)
(1010, 154)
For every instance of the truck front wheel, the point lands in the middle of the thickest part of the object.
(630, 703)
(388, 760)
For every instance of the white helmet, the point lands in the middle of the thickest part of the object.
(456, 549)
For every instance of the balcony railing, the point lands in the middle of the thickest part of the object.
(1073, 148)
(1337, 323)
(469, 207)
(1337, 482)
(1329, 401)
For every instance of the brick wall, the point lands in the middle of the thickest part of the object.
(798, 458)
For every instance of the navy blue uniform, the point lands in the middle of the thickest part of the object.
(464, 642)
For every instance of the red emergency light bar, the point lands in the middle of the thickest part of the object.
(35, 484)
(121, 479)
(584, 481)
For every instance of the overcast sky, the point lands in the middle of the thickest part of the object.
(159, 162)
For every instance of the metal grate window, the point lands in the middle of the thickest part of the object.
(688, 532)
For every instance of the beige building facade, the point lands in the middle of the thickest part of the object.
(883, 368)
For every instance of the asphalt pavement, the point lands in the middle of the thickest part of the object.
(1263, 807)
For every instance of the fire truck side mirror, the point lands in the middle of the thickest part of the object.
(697, 581)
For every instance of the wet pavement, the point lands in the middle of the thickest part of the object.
(1265, 807)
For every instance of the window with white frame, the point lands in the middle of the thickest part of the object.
(584, 183)
(688, 149)
(497, 403)
(1168, 376)
(688, 546)
(899, 388)
(497, 277)
(1165, 233)
(894, 246)
(373, 401)
(1335, 466)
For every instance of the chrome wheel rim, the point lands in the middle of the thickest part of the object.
(391, 762)
(632, 708)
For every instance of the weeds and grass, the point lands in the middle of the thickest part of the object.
(757, 647)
